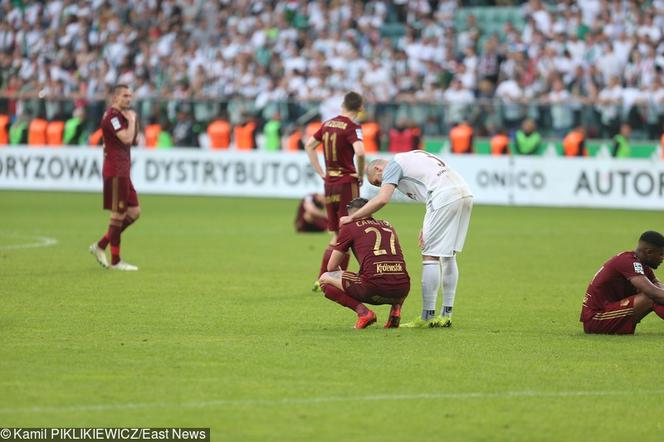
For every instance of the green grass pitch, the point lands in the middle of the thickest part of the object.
(219, 329)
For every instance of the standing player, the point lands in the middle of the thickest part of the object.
(625, 289)
(425, 177)
(342, 140)
(383, 278)
(119, 128)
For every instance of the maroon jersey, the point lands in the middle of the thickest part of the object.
(117, 156)
(611, 283)
(376, 247)
(338, 136)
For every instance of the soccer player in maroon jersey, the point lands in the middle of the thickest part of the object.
(383, 278)
(342, 140)
(625, 289)
(311, 215)
(119, 127)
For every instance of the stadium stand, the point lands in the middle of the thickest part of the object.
(563, 64)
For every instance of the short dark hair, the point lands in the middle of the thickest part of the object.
(653, 238)
(357, 203)
(117, 88)
(353, 101)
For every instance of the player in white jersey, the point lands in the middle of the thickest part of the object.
(424, 177)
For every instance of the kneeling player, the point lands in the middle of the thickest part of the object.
(382, 279)
(625, 289)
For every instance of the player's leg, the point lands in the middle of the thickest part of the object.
(133, 208)
(643, 305)
(347, 193)
(620, 317)
(432, 234)
(122, 199)
(111, 197)
(331, 206)
(334, 285)
(449, 268)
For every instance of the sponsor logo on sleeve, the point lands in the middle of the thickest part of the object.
(116, 123)
(638, 268)
(358, 132)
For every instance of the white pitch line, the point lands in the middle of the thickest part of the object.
(42, 241)
(331, 399)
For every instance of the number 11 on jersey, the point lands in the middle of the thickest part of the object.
(330, 144)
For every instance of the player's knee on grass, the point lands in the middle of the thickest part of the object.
(643, 305)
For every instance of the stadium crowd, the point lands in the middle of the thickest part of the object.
(563, 64)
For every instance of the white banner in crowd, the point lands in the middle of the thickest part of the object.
(537, 181)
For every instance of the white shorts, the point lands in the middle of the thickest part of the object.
(444, 230)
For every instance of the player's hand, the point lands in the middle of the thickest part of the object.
(129, 114)
(421, 240)
(345, 220)
(359, 180)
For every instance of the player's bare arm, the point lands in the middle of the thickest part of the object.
(374, 205)
(358, 147)
(310, 148)
(649, 289)
(127, 135)
(335, 261)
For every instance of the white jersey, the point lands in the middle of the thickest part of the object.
(425, 177)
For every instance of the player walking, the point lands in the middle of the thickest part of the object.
(119, 127)
(342, 140)
(424, 177)
(383, 278)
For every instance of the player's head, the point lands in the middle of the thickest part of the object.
(353, 102)
(651, 248)
(375, 171)
(356, 205)
(121, 96)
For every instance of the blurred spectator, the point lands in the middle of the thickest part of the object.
(272, 133)
(574, 143)
(561, 112)
(184, 134)
(403, 137)
(621, 144)
(500, 143)
(527, 141)
(74, 133)
(458, 101)
(461, 138)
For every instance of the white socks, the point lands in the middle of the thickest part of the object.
(450, 273)
(430, 286)
(433, 273)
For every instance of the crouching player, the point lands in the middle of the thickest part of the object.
(625, 289)
(382, 279)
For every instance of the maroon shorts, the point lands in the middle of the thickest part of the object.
(617, 318)
(119, 193)
(337, 197)
(375, 292)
